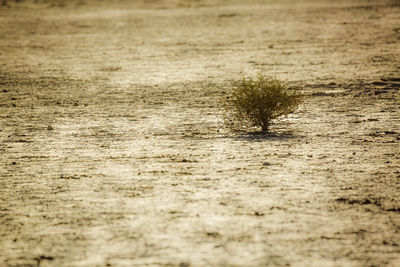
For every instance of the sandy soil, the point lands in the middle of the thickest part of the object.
(113, 151)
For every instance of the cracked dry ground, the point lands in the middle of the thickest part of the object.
(113, 151)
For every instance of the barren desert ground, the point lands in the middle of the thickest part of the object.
(114, 152)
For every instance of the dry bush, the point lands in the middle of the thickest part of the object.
(257, 101)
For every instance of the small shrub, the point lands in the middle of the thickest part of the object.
(258, 101)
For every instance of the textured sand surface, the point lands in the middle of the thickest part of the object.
(113, 150)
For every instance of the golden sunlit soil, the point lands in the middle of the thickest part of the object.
(113, 150)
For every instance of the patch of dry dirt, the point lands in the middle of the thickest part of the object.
(113, 151)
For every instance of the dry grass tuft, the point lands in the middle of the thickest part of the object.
(257, 101)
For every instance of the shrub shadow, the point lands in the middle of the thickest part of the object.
(259, 136)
